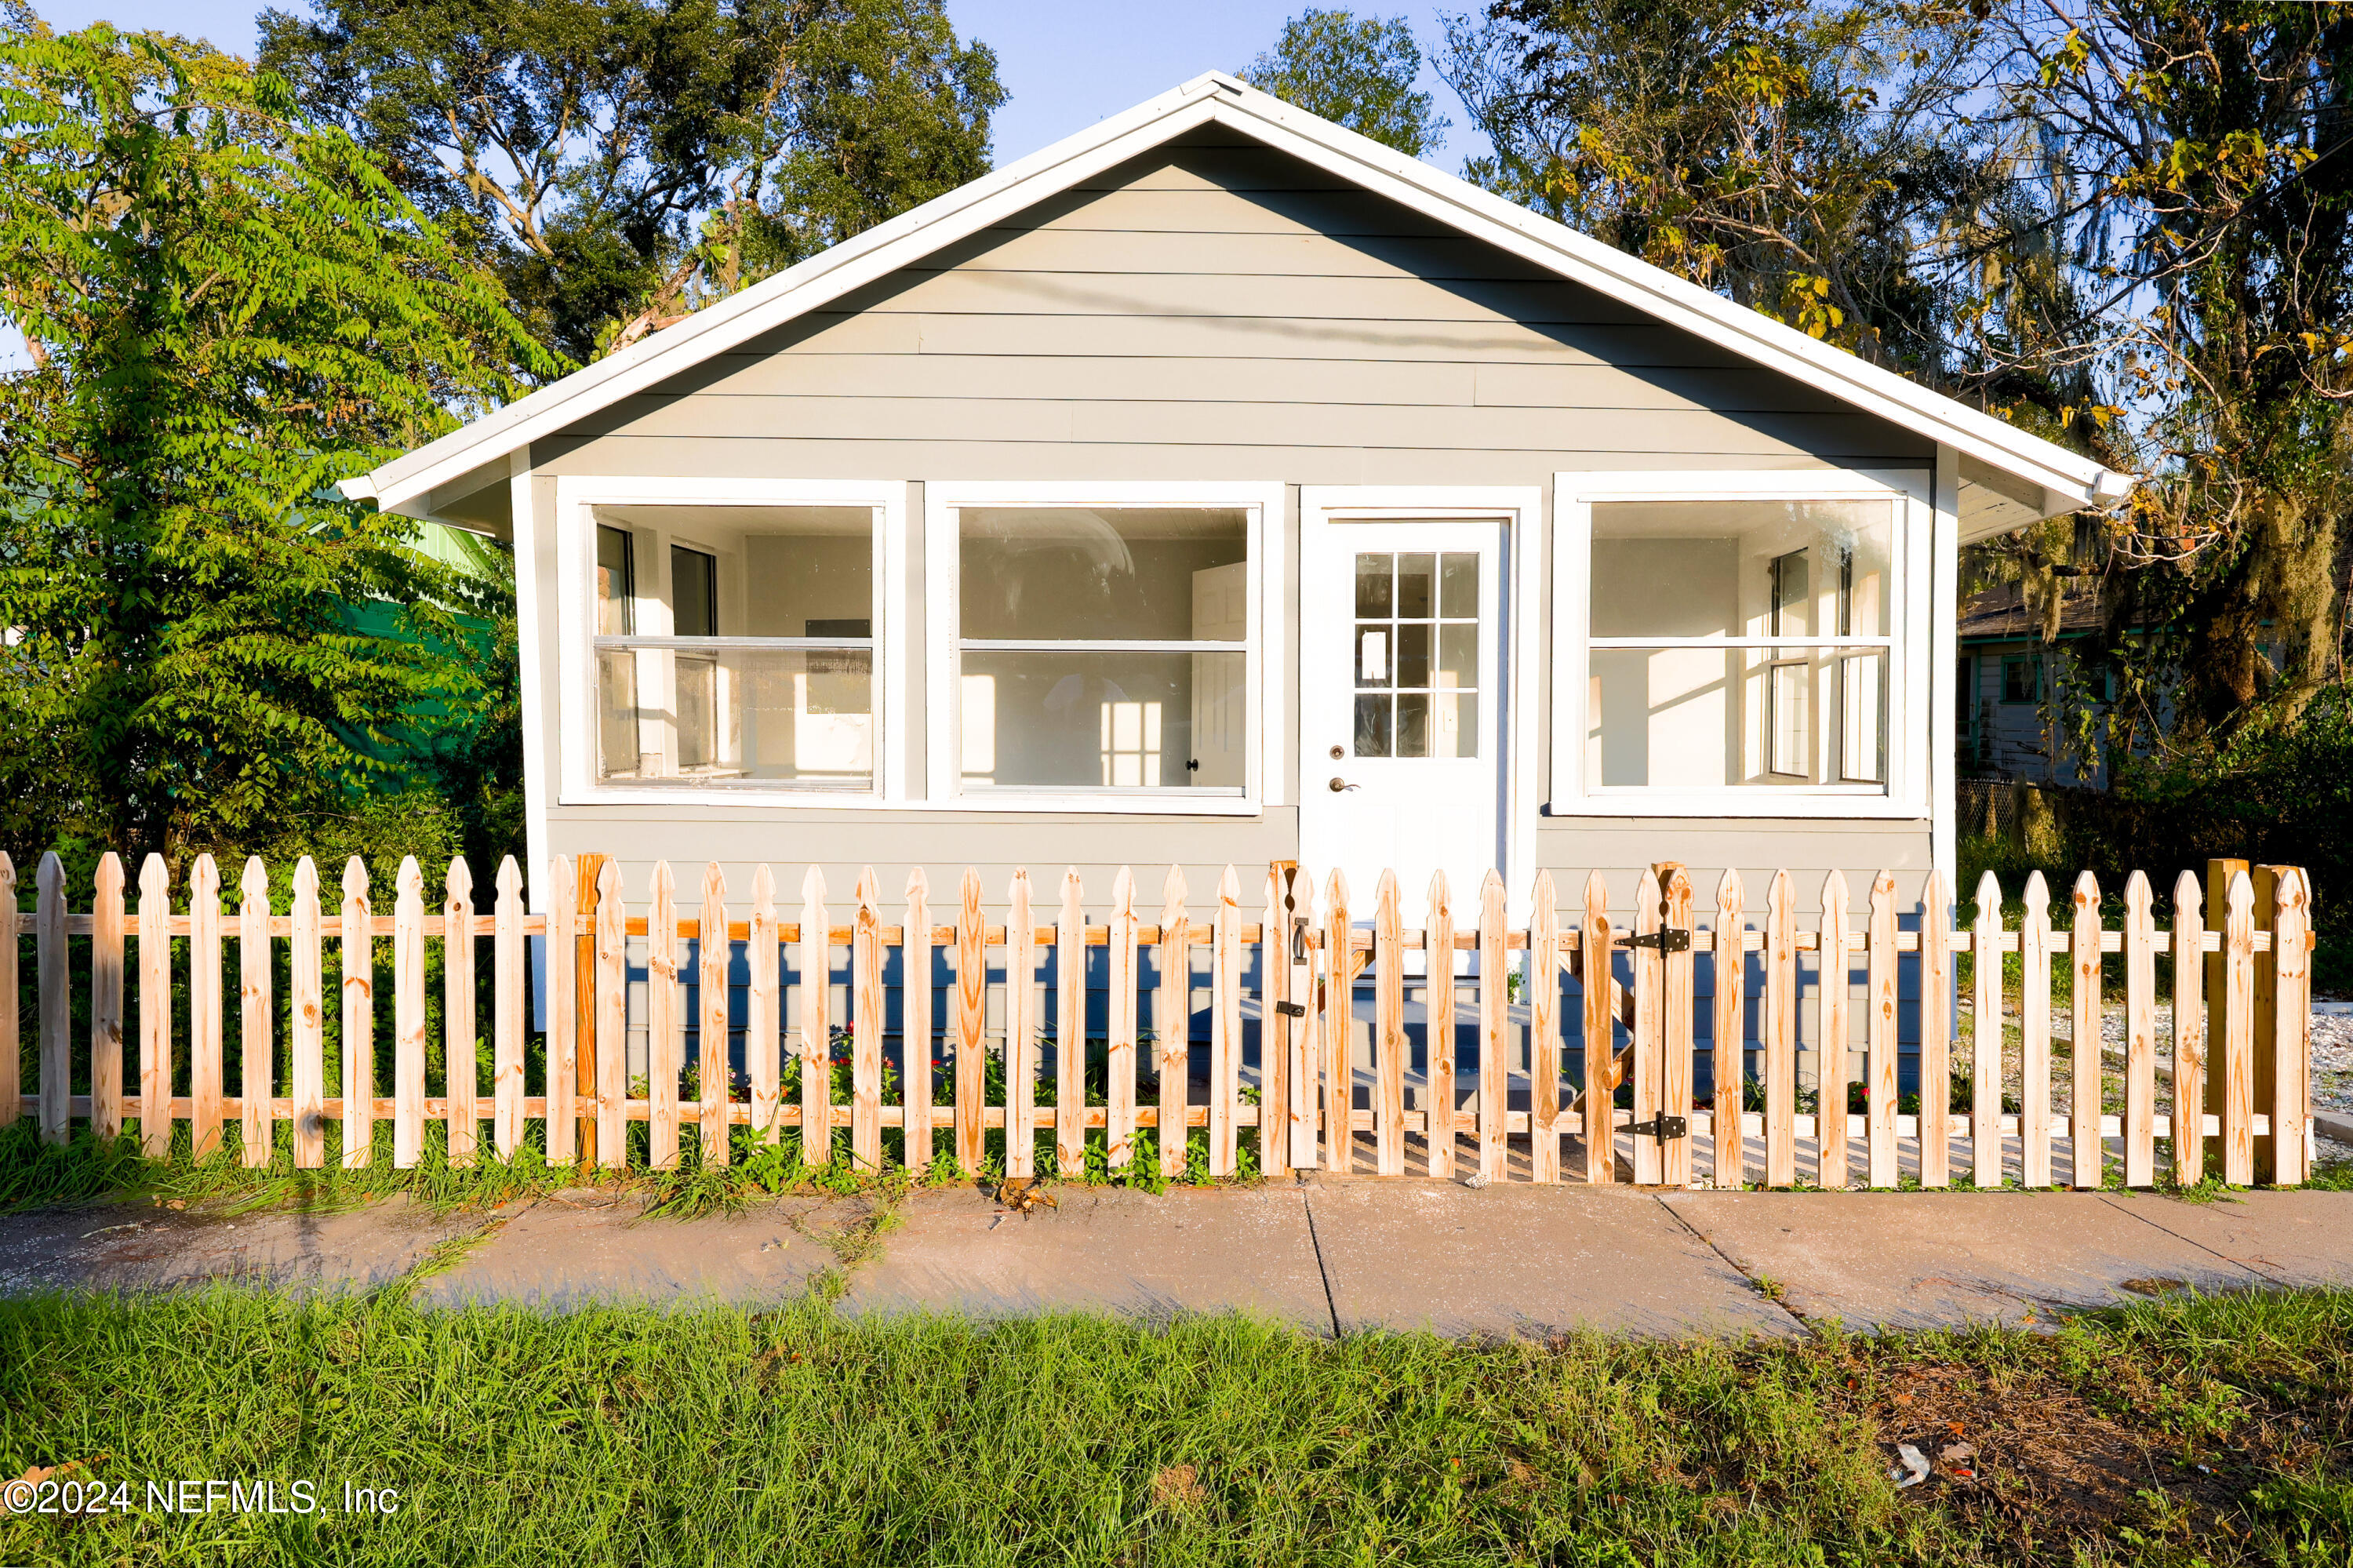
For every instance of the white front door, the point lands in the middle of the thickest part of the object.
(1401, 738)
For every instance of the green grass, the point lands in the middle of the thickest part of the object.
(2185, 1431)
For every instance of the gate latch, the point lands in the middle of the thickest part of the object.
(1665, 1128)
(1292, 1008)
(1670, 941)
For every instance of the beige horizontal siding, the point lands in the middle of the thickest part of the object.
(1297, 297)
(1068, 249)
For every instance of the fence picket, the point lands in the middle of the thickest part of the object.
(307, 974)
(1984, 1035)
(1172, 1021)
(407, 1015)
(816, 962)
(204, 1059)
(356, 1045)
(1226, 1024)
(1388, 1028)
(665, 1018)
(12, 1087)
(2291, 1044)
(1338, 1006)
(1494, 1068)
(1020, 1029)
(1438, 1010)
(2189, 1072)
(2237, 1000)
(1779, 1027)
(764, 1012)
(1650, 1045)
(1544, 1031)
(50, 970)
(1882, 1161)
(1598, 1096)
(866, 1006)
(1303, 1037)
(2140, 1034)
(2034, 1035)
(971, 1023)
(1727, 1046)
(1677, 998)
(1121, 984)
(1070, 1028)
(714, 1071)
(459, 1066)
(1277, 1039)
(560, 952)
(916, 1058)
(2086, 1048)
(1936, 1034)
(106, 938)
(508, 977)
(255, 1124)
(1833, 1070)
(610, 1009)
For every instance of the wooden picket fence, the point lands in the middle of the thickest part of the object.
(1290, 980)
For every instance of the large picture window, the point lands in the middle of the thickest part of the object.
(1102, 649)
(749, 660)
(1737, 643)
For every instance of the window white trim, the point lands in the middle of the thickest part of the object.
(1905, 795)
(1269, 629)
(577, 497)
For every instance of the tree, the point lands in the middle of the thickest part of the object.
(226, 308)
(1358, 71)
(620, 161)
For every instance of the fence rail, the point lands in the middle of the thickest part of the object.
(1568, 1047)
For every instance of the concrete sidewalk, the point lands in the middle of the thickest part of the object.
(1333, 1255)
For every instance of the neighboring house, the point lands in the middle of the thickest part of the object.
(1219, 486)
(2007, 672)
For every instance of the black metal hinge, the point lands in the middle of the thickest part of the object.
(1665, 1128)
(1667, 941)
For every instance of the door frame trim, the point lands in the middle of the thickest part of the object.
(1518, 653)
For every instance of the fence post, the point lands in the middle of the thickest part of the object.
(1984, 1035)
(2291, 1041)
(1544, 1030)
(1437, 1010)
(2140, 1034)
(510, 977)
(1338, 1006)
(105, 997)
(1882, 1161)
(1020, 1029)
(817, 1020)
(916, 1061)
(1936, 1034)
(665, 1018)
(866, 1004)
(1834, 970)
(49, 958)
(1070, 1028)
(588, 1070)
(2188, 1031)
(713, 1072)
(1780, 1032)
(1119, 1023)
(307, 974)
(204, 1005)
(1388, 1028)
(764, 1013)
(255, 1125)
(560, 950)
(1176, 1043)
(459, 1066)
(408, 1014)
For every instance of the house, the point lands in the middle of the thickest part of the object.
(1217, 486)
(2005, 730)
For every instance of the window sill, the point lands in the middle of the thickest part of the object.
(870, 800)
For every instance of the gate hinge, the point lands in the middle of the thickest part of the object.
(1670, 941)
(1292, 1008)
(1665, 1128)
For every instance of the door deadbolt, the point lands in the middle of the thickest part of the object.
(1339, 752)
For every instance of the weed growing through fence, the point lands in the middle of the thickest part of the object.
(2179, 1431)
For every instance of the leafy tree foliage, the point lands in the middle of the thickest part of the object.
(226, 308)
(620, 161)
(1357, 71)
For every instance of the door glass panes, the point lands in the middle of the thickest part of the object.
(1416, 653)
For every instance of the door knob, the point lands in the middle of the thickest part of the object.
(1338, 785)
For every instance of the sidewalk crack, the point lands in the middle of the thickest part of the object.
(2251, 1267)
(1707, 1242)
(1323, 1269)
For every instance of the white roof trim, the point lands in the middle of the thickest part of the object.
(2068, 480)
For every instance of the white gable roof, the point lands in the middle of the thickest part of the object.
(2020, 476)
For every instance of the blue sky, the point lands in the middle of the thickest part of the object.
(1067, 63)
